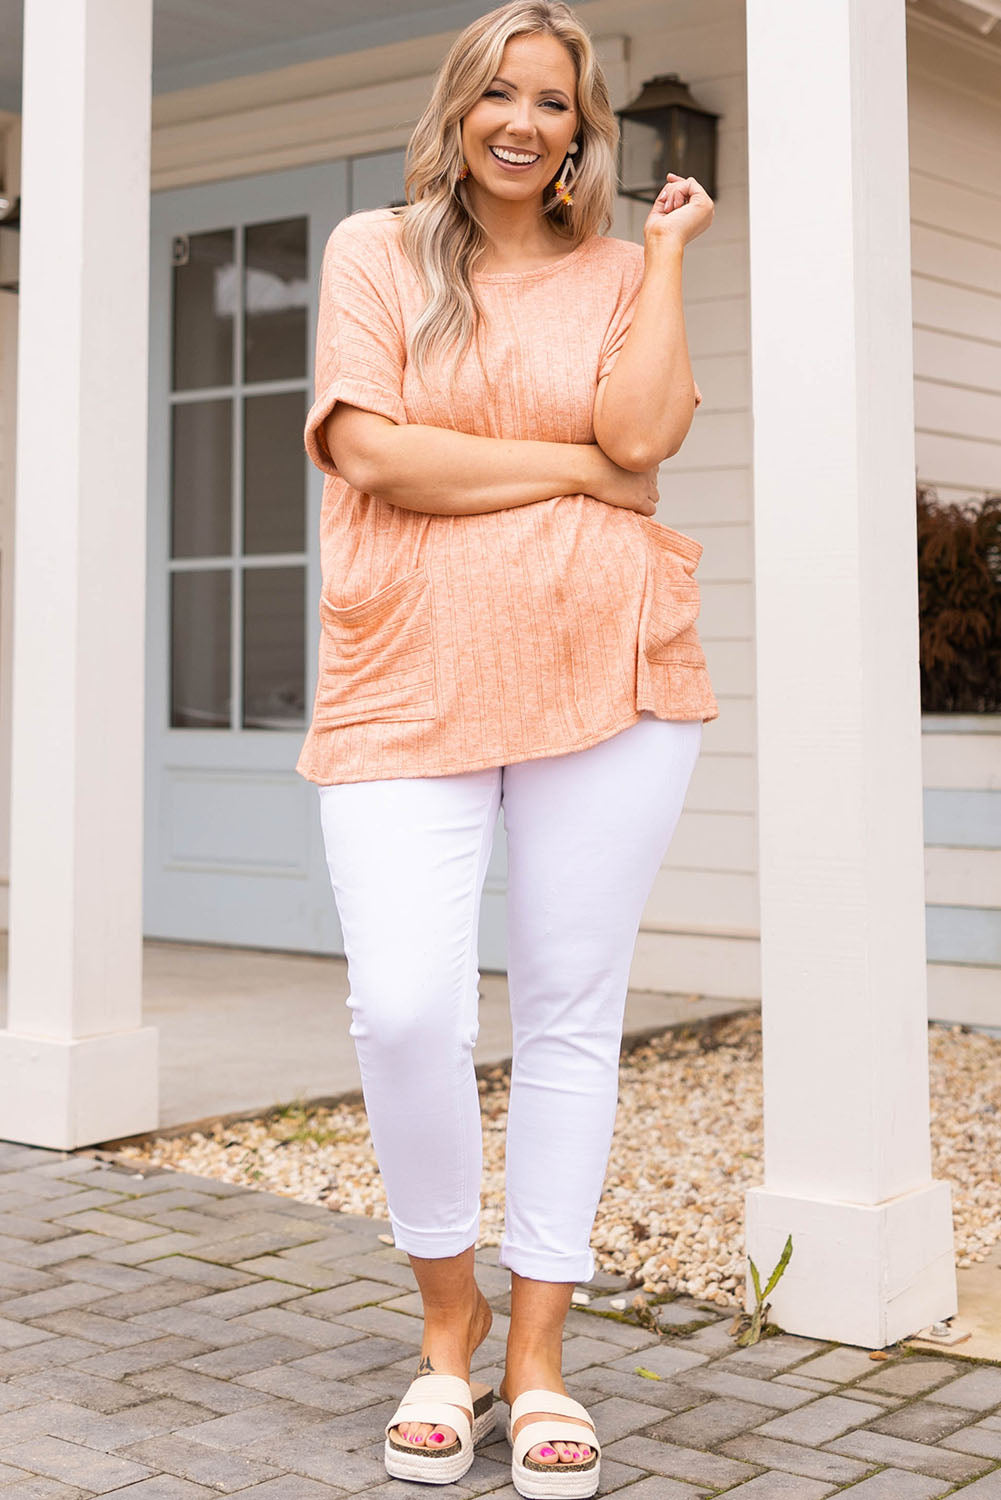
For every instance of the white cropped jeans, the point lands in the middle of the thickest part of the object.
(586, 834)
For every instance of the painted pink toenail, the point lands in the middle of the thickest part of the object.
(546, 1452)
(418, 1439)
(436, 1437)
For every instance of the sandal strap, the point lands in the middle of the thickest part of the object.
(439, 1414)
(427, 1396)
(547, 1432)
(539, 1400)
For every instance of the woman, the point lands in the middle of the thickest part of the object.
(503, 622)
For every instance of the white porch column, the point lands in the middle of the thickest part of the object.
(847, 1156)
(76, 1063)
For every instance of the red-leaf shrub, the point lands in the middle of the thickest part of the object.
(959, 602)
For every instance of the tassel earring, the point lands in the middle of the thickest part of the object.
(567, 176)
(463, 171)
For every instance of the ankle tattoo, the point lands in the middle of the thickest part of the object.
(425, 1367)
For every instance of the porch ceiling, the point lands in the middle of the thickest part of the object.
(201, 41)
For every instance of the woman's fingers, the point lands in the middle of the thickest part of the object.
(676, 192)
(687, 195)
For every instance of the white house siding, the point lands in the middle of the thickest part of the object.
(955, 141)
(962, 815)
(954, 104)
(700, 928)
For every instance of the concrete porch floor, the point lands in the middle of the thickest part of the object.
(276, 1026)
(979, 1315)
(243, 1029)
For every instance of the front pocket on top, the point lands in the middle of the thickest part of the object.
(670, 594)
(377, 656)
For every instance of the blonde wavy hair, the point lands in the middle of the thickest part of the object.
(441, 233)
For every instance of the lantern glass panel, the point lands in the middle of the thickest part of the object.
(643, 150)
(699, 153)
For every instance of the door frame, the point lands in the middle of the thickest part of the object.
(182, 894)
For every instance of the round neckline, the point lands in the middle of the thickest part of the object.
(546, 269)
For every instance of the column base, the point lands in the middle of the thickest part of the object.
(866, 1274)
(67, 1094)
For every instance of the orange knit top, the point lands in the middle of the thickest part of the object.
(453, 643)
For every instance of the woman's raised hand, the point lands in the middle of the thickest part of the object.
(626, 488)
(681, 210)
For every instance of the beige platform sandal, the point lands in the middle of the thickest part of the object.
(440, 1399)
(559, 1481)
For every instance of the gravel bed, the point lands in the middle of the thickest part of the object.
(688, 1142)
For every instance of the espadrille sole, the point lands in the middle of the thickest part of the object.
(441, 1465)
(558, 1481)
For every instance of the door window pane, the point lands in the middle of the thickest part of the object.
(204, 305)
(201, 479)
(239, 476)
(276, 295)
(274, 648)
(274, 475)
(200, 650)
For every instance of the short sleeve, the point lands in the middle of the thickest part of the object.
(625, 306)
(360, 340)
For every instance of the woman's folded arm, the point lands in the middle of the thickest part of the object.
(644, 406)
(443, 472)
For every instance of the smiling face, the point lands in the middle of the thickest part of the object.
(516, 135)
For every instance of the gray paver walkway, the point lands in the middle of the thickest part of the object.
(170, 1337)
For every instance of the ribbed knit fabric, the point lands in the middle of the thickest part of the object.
(452, 643)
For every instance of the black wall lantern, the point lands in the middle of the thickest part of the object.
(662, 131)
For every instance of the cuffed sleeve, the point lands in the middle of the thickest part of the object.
(622, 315)
(360, 339)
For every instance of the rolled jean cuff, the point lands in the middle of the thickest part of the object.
(435, 1244)
(544, 1266)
